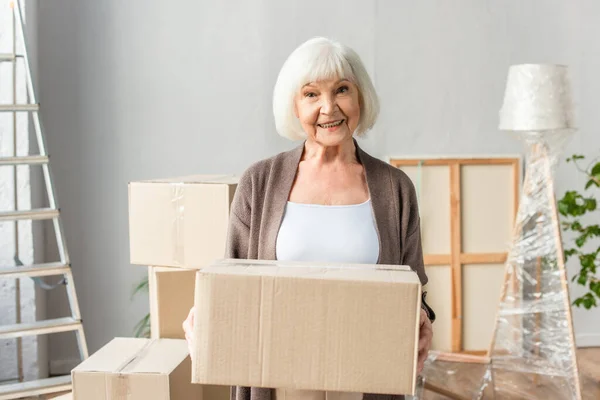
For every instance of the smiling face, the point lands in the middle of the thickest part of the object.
(328, 110)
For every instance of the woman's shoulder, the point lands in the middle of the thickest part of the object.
(259, 173)
(398, 177)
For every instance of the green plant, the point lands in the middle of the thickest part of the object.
(572, 207)
(142, 328)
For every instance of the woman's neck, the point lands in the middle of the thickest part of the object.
(343, 153)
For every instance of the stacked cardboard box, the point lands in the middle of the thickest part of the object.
(180, 222)
(137, 369)
(177, 226)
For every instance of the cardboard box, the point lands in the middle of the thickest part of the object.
(347, 328)
(179, 222)
(171, 292)
(136, 369)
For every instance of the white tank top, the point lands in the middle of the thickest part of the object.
(321, 233)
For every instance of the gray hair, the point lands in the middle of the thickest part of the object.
(318, 59)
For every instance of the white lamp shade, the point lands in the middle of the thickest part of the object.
(537, 98)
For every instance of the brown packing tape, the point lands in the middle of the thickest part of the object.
(120, 387)
(177, 202)
(118, 384)
(136, 356)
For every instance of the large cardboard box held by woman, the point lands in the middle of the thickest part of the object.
(347, 328)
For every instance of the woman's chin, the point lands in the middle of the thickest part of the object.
(335, 138)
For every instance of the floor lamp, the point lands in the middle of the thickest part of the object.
(533, 352)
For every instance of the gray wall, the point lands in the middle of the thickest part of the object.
(135, 90)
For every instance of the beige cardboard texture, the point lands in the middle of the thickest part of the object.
(136, 369)
(171, 292)
(179, 222)
(300, 326)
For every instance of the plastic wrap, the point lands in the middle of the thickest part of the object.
(533, 349)
(532, 355)
(454, 376)
(177, 237)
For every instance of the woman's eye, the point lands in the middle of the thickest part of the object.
(310, 94)
(343, 89)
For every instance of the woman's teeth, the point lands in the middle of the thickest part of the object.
(331, 125)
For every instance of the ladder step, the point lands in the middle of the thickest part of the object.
(24, 160)
(19, 107)
(47, 269)
(39, 213)
(7, 57)
(36, 387)
(44, 327)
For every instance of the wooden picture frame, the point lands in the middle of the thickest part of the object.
(454, 236)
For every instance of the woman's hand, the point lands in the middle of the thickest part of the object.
(425, 336)
(188, 328)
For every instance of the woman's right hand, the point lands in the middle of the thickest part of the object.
(188, 328)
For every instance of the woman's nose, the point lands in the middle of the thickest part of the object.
(329, 105)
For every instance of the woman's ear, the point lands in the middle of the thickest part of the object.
(296, 109)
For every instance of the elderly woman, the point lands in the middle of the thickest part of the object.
(326, 200)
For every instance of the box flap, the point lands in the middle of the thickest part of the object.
(234, 261)
(312, 271)
(114, 356)
(192, 179)
(161, 356)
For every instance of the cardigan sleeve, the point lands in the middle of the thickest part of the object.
(238, 230)
(413, 256)
(413, 248)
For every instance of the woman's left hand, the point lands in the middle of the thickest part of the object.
(425, 336)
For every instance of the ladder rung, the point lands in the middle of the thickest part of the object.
(36, 387)
(24, 160)
(7, 57)
(47, 269)
(44, 327)
(40, 213)
(19, 107)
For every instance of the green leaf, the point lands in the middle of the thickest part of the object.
(576, 157)
(563, 208)
(596, 169)
(582, 280)
(587, 260)
(589, 303)
(569, 253)
(595, 287)
(142, 286)
(593, 230)
(590, 204)
(592, 182)
(142, 328)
